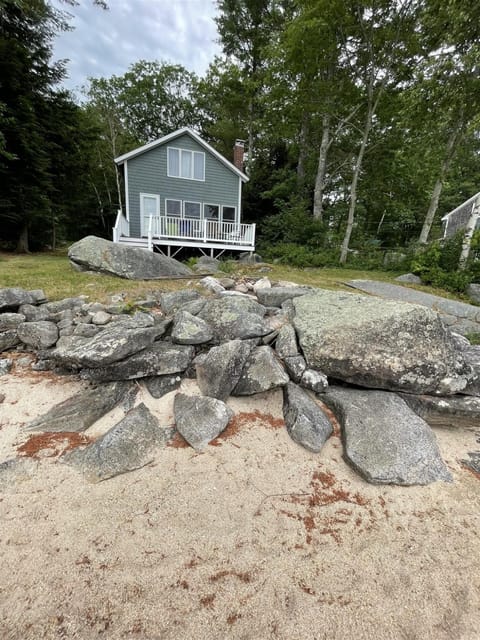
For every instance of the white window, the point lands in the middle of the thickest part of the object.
(173, 208)
(185, 164)
(211, 211)
(228, 214)
(191, 209)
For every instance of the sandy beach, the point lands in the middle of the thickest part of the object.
(256, 538)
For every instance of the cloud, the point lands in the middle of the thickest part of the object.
(105, 43)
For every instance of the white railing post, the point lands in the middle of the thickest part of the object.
(205, 221)
(149, 237)
(252, 235)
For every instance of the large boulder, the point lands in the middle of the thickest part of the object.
(384, 440)
(81, 410)
(219, 370)
(453, 411)
(262, 372)
(12, 298)
(379, 343)
(95, 254)
(306, 423)
(188, 329)
(275, 296)
(234, 317)
(200, 419)
(127, 446)
(39, 335)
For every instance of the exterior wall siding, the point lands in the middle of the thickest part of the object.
(147, 173)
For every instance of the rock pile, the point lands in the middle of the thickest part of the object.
(386, 369)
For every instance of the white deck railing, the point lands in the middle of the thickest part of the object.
(202, 230)
(121, 228)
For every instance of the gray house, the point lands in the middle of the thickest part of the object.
(458, 218)
(180, 192)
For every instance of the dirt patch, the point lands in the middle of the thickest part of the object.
(51, 445)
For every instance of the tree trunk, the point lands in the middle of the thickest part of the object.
(22, 242)
(321, 170)
(469, 231)
(251, 143)
(437, 189)
(354, 186)
(302, 153)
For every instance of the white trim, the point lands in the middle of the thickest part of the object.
(181, 151)
(173, 200)
(156, 197)
(229, 206)
(176, 134)
(464, 204)
(192, 202)
(239, 210)
(127, 196)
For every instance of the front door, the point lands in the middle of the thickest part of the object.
(149, 206)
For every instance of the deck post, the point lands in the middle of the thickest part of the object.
(204, 230)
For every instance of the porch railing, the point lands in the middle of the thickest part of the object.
(202, 230)
(121, 228)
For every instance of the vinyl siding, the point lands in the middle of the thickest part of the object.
(147, 173)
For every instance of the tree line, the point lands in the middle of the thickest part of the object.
(360, 119)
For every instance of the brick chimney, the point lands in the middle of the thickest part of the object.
(238, 151)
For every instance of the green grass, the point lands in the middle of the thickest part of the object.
(52, 273)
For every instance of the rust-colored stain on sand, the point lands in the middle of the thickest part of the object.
(52, 444)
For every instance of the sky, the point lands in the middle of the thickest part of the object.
(105, 43)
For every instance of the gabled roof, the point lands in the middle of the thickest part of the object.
(468, 202)
(176, 134)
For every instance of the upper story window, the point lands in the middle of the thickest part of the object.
(185, 164)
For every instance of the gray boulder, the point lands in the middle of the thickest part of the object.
(96, 254)
(286, 343)
(275, 296)
(80, 411)
(161, 358)
(206, 264)
(158, 386)
(234, 317)
(10, 321)
(456, 412)
(379, 343)
(306, 423)
(473, 461)
(314, 380)
(384, 440)
(188, 329)
(296, 367)
(173, 300)
(8, 339)
(471, 354)
(5, 366)
(116, 342)
(34, 314)
(127, 446)
(218, 372)
(67, 304)
(409, 278)
(39, 335)
(12, 298)
(212, 284)
(473, 292)
(262, 372)
(200, 419)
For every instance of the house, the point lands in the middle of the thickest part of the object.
(458, 219)
(180, 192)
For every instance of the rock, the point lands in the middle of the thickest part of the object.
(101, 318)
(384, 440)
(473, 292)
(262, 372)
(14, 471)
(471, 353)
(12, 298)
(314, 380)
(241, 288)
(227, 283)
(173, 300)
(161, 358)
(218, 372)
(234, 317)
(67, 304)
(84, 330)
(378, 343)
(409, 278)
(453, 411)
(205, 264)
(39, 335)
(5, 366)
(158, 386)
(2, 397)
(80, 411)
(275, 296)
(200, 419)
(263, 283)
(8, 339)
(96, 254)
(306, 423)
(127, 446)
(188, 329)
(38, 296)
(249, 257)
(296, 367)
(473, 461)
(211, 284)
(286, 343)
(194, 307)
(10, 321)
(116, 342)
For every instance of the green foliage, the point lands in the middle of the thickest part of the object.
(473, 337)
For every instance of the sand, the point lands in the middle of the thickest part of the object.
(254, 539)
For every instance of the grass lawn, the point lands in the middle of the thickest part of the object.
(53, 273)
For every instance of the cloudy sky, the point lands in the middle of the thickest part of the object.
(104, 43)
